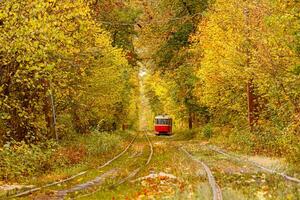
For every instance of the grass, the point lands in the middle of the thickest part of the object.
(73, 155)
(243, 181)
(262, 142)
(167, 158)
(124, 165)
(237, 180)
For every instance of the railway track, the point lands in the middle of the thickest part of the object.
(131, 175)
(216, 190)
(240, 159)
(119, 155)
(32, 190)
(136, 171)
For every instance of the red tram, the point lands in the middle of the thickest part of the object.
(163, 124)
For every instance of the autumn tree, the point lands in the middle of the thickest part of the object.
(56, 62)
(166, 37)
(248, 57)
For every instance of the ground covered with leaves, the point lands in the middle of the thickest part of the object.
(170, 174)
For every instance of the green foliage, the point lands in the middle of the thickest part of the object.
(57, 59)
(169, 50)
(18, 159)
(119, 19)
(185, 134)
(207, 131)
(103, 142)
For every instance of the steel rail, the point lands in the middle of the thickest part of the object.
(151, 149)
(217, 193)
(239, 159)
(61, 194)
(72, 177)
(131, 175)
(136, 171)
(119, 155)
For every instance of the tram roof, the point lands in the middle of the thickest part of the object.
(162, 117)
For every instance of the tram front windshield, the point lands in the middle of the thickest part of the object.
(163, 121)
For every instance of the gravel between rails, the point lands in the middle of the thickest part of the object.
(27, 192)
(217, 193)
(239, 159)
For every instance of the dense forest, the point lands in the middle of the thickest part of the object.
(228, 70)
(231, 66)
(62, 69)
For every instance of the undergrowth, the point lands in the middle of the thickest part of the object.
(19, 160)
(185, 134)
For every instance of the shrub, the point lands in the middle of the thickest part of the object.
(207, 131)
(102, 142)
(18, 159)
(185, 134)
(70, 155)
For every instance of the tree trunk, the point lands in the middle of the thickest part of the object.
(250, 104)
(49, 117)
(253, 105)
(190, 120)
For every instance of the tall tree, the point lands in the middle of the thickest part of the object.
(166, 37)
(54, 55)
(247, 51)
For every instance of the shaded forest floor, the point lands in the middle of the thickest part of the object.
(159, 169)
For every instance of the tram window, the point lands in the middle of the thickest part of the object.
(163, 121)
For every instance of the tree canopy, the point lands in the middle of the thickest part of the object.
(58, 61)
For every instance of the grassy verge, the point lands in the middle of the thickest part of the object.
(50, 161)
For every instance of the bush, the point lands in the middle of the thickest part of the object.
(69, 155)
(18, 159)
(185, 134)
(103, 142)
(207, 131)
(264, 141)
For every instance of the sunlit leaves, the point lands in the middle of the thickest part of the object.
(238, 40)
(56, 47)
